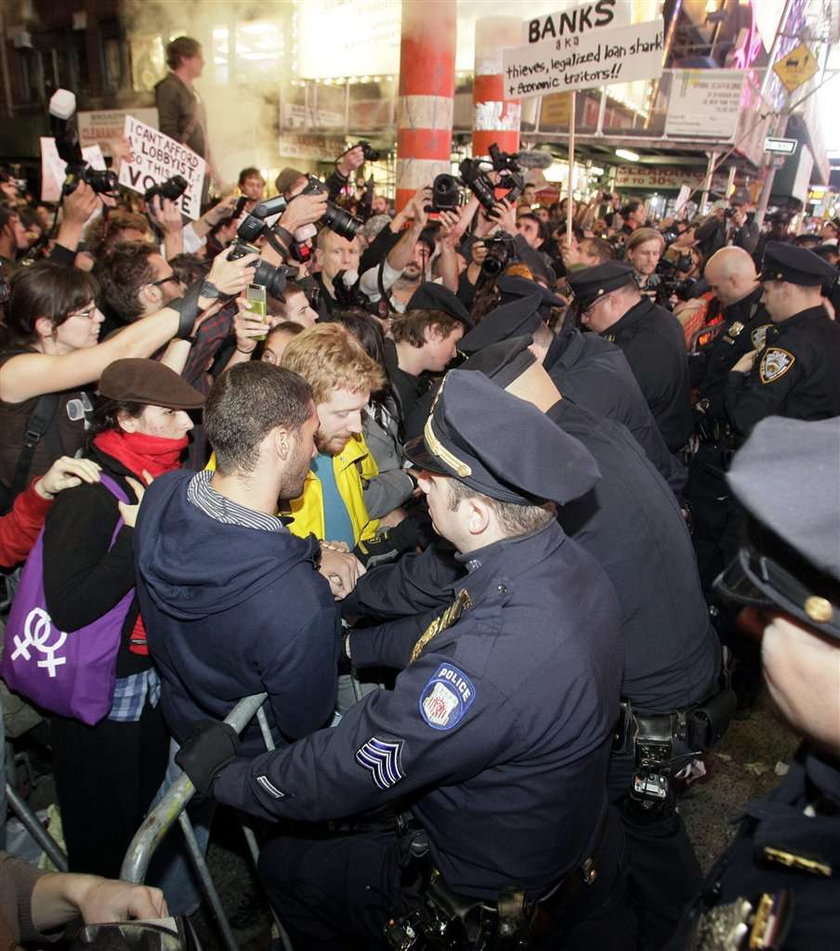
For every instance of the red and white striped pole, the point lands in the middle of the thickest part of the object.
(494, 118)
(427, 88)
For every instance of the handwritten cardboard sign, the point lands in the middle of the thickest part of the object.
(597, 58)
(588, 16)
(155, 157)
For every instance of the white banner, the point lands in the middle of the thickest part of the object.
(616, 55)
(53, 167)
(705, 103)
(105, 125)
(155, 157)
(588, 16)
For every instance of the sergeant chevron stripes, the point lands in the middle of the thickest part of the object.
(382, 760)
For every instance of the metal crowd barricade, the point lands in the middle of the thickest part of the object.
(172, 807)
(9, 799)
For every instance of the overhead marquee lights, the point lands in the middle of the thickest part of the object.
(627, 155)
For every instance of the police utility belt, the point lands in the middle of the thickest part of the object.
(445, 919)
(664, 743)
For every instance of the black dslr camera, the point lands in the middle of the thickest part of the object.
(335, 218)
(273, 279)
(501, 251)
(481, 185)
(172, 189)
(370, 153)
(66, 134)
(446, 193)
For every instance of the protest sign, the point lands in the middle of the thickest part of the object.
(53, 167)
(588, 16)
(155, 157)
(105, 125)
(705, 103)
(614, 55)
(682, 198)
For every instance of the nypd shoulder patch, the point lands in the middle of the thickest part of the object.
(775, 363)
(446, 698)
(381, 758)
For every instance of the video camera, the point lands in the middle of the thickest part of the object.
(478, 180)
(446, 189)
(673, 280)
(66, 134)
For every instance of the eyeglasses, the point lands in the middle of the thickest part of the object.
(588, 311)
(88, 314)
(163, 280)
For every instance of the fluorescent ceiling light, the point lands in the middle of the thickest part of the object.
(627, 154)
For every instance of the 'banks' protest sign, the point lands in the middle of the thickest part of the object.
(155, 157)
(615, 55)
(588, 16)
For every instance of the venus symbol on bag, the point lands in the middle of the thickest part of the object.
(38, 629)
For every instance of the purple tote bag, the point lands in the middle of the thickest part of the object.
(71, 673)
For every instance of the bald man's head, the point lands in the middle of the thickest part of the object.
(731, 275)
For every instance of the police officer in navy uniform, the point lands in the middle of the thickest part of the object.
(609, 303)
(630, 522)
(586, 367)
(496, 736)
(732, 277)
(797, 371)
(777, 886)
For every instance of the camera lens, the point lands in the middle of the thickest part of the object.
(446, 195)
(273, 279)
(341, 221)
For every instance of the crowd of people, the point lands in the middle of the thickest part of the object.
(467, 499)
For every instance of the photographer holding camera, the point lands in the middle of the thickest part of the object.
(731, 226)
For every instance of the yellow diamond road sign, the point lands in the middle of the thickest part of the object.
(796, 67)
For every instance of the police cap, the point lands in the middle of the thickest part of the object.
(786, 477)
(499, 445)
(786, 262)
(519, 316)
(590, 283)
(430, 296)
(512, 287)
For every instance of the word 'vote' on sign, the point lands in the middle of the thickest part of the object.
(597, 58)
(156, 157)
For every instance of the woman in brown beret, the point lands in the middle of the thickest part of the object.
(107, 774)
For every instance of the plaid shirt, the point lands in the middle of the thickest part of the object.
(211, 335)
(131, 693)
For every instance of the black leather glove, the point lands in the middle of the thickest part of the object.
(210, 746)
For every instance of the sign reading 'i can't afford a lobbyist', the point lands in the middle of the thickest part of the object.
(597, 58)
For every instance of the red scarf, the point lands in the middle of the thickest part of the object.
(139, 452)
